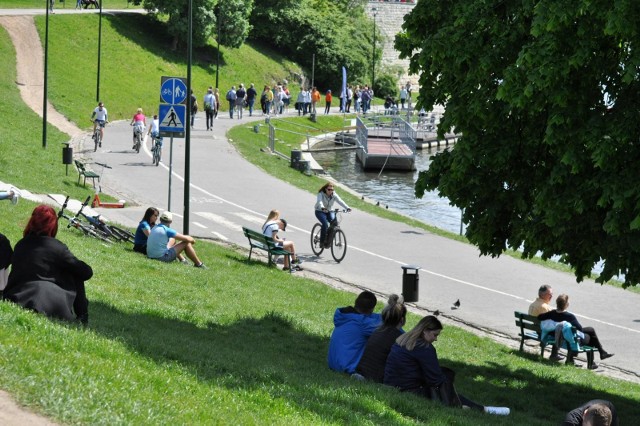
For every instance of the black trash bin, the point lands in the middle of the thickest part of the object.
(67, 157)
(410, 283)
(296, 156)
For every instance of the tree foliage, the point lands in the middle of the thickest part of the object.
(336, 31)
(545, 94)
(234, 18)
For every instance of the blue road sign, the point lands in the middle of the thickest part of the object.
(172, 118)
(173, 90)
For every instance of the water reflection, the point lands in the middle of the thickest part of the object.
(393, 189)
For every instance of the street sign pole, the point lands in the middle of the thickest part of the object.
(170, 171)
(187, 144)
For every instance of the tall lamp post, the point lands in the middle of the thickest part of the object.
(373, 51)
(218, 40)
(99, 52)
(46, 68)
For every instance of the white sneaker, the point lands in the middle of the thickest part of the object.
(498, 411)
(16, 195)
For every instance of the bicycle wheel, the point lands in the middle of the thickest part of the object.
(317, 246)
(96, 139)
(138, 142)
(159, 154)
(91, 232)
(339, 245)
(122, 234)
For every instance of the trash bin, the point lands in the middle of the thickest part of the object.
(304, 166)
(296, 155)
(410, 283)
(67, 154)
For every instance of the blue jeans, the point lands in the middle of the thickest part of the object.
(232, 104)
(325, 218)
(250, 102)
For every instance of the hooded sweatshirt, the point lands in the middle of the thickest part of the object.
(352, 329)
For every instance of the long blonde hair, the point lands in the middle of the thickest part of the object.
(410, 339)
(273, 215)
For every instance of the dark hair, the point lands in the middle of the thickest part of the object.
(394, 313)
(598, 415)
(325, 186)
(366, 302)
(43, 222)
(150, 212)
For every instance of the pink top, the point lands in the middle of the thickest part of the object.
(139, 117)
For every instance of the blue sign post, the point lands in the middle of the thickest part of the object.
(172, 112)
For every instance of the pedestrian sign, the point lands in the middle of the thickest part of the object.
(173, 90)
(172, 118)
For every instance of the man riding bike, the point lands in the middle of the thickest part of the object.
(100, 117)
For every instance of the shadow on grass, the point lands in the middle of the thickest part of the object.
(271, 353)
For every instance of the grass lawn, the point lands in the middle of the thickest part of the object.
(239, 343)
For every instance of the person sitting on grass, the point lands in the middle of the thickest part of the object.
(6, 253)
(270, 228)
(374, 358)
(144, 229)
(413, 366)
(45, 276)
(597, 412)
(353, 326)
(161, 244)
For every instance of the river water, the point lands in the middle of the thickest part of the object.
(392, 188)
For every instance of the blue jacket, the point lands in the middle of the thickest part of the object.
(352, 329)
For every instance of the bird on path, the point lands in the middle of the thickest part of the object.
(436, 313)
(378, 203)
(456, 304)
(362, 198)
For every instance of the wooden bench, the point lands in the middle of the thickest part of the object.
(260, 241)
(87, 174)
(530, 330)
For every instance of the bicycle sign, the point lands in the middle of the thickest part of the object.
(173, 90)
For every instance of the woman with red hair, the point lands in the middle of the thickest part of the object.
(45, 276)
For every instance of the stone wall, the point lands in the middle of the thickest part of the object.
(389, 19)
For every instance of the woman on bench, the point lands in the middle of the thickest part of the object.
(590, 337)
(270, 229)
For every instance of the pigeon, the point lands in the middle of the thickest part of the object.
(456, 305)
(436, 313)
(362, 198)
(378, 203)
(386, 207)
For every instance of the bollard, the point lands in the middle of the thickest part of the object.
(296, 156)
(67, 156)
(410, 283)
(256, 128)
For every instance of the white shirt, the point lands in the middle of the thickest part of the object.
(100, 114)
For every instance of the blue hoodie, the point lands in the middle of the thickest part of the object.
(352, 329)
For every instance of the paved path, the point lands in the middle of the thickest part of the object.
(227, 192)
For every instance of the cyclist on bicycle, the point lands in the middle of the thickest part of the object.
(139, 122)
(324, 209)
(99, 117)
(154, 130)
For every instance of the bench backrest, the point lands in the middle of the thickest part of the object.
(255, 236)
(527, 322)
(79, 166)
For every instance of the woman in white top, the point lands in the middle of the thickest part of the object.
(324, 209)
(270, 228)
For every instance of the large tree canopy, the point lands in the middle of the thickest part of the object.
(546, 95)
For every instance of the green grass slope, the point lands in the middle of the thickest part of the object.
(239, 343)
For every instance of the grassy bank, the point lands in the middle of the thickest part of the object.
(239, 343)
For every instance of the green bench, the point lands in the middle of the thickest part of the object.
(530, 330)
(87, 174)
(260, 241)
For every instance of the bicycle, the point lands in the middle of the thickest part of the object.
(335, 235)
(138, 132)
(156, 149)
(110, 231)
(97, 135)
(74, 222)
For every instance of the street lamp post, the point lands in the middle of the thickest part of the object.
(373, 51)
(46, 69)
(99, 53)
(218, 57)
